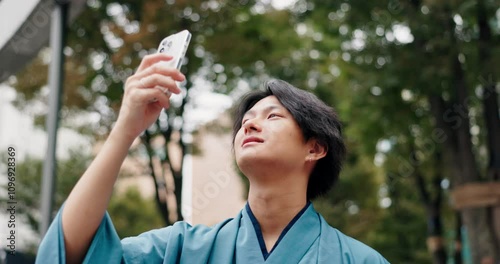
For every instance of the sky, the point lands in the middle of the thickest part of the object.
(17, 130)
(282, 4)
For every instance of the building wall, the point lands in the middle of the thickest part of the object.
(217, 189)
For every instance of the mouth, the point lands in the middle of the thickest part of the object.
(252, 140)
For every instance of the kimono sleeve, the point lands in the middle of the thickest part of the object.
(357, 252)
(151, 247)
(105, 246)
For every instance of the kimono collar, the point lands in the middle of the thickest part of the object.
(258, 230)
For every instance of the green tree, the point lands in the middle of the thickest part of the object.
(132, 214)
(28, 179)
(414, 69)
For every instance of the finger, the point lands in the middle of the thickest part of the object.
(160, 68)
(133, 82)
(151, 59)
(164, 90)
(147, 96)
(143, 84)
(159, 80)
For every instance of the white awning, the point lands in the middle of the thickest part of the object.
(25, 29)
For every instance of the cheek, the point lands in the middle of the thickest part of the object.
(287, 133)
(237, 137)
(237, 141)
(291, 139)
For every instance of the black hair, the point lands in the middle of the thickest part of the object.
(316, 120)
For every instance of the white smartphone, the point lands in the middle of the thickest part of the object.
(175, 45)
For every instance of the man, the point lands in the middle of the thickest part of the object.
(286, 141)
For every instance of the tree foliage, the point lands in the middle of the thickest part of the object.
(415, 83)
(133, 214)
(415, 86)
(29, 178)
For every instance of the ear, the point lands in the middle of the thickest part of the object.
(316, 150)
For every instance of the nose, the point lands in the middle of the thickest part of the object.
(252, 125)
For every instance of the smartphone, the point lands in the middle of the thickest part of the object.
(175, 45)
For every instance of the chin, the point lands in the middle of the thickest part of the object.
(248, 163)
(274, 161)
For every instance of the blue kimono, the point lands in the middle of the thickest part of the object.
(306, 239)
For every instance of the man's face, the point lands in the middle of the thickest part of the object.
(269, 138)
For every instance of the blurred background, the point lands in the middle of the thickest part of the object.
(415, 83)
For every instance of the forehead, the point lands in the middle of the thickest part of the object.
(267, 103)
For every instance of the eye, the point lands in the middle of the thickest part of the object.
(273, 115)
(243, 121)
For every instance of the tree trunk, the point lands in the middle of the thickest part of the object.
(475, 219)
(435, 241)
(454, 122)
(491, 115)
(435, 219)
(457, 249)
(447, 162)
(160, 185)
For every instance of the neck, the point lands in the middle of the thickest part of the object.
(275, 205)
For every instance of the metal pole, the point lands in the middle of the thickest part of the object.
(56, 74)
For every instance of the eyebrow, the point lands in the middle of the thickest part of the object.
(266, 109)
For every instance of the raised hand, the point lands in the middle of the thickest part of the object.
(147, 92)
